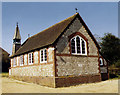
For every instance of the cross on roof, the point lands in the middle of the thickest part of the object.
(76, 9)
(17, 23)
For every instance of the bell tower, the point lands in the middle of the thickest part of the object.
(16, 40)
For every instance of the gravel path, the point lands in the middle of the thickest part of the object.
(15, 86)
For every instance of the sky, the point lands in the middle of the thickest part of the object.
(33, 17)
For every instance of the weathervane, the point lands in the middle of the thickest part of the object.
(17, 23)
(76, 9)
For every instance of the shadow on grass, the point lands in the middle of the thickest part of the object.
(114, 76)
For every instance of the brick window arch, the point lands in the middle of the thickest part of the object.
(78, 45)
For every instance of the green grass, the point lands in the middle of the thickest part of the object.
(6, 74)
(118, 76)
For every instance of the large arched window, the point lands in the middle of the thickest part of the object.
(78, 46)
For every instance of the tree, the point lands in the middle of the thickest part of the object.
(117, 64)
(110, 48)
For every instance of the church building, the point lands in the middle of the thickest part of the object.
(64, 54)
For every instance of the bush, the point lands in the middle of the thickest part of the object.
(117, 64)
(113, 76)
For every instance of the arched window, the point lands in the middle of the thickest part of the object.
(101, 61)
(78, 46)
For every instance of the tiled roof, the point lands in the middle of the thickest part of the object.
(49, 36)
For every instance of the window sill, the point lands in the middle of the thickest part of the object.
(21, 65)
(14, 66)
(44, 62)
(30, 63)
(79, 54)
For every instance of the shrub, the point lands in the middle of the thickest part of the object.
(117, 64)
(113, 76)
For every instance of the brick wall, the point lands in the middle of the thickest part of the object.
(69, 81)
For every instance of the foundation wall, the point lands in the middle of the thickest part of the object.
(44, 81)
(69, 81)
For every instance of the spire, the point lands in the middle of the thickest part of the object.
(16, 40)
(17, 33)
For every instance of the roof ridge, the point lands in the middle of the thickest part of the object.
(54, 25)
(59, 28)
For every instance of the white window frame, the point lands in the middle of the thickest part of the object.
(44, 61)
(80, 46)
(11, 62)
(17, 58)
(30, 61)
(14, 62)
(101, 62)
(21, 60)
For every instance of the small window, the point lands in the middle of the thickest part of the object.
(14, 62)
(78, 46)
(21, 60)
(43, 56)
(30, 58)
(101, 61)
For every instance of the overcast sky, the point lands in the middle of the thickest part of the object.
(34, 17)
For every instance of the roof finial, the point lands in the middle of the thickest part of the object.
(76, 9)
